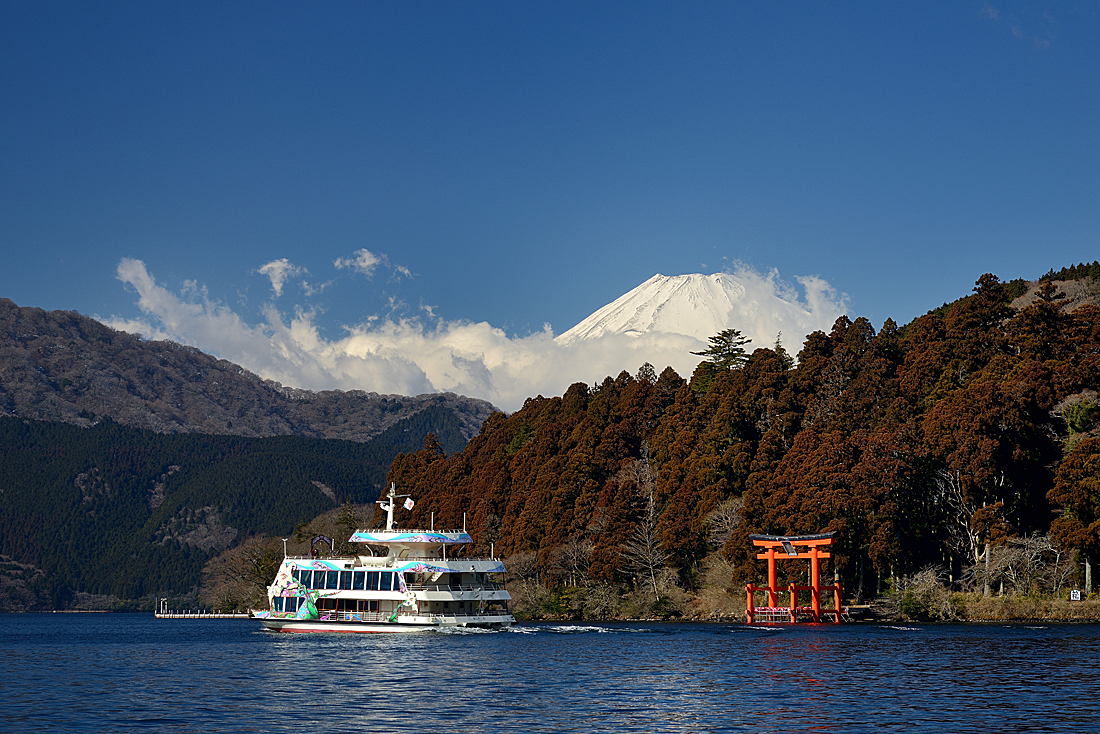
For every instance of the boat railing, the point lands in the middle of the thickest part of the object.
(355, 616)
(415, 531)
(343, 616)
(462, 615)
(399, 559)
(455, 587)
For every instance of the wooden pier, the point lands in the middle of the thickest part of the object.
(199, 614)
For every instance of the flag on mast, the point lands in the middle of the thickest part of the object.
(409, 503)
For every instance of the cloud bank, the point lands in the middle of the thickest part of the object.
(412, 356)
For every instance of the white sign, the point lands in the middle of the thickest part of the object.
(409, 504)
(1075, 595)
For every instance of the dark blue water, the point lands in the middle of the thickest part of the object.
(123, 673)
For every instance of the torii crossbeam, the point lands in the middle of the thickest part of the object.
(788, 545)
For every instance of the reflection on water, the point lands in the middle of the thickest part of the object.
(108, 673)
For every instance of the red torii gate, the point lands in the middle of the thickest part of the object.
(787, 543)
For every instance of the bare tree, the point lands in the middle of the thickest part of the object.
(644, 553)
(960, 509)
(572, 560)
(723, 520)
(239, 577)
(601, 601)
(1032, 563)
(923, 595)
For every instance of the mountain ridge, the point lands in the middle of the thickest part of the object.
(64, 366)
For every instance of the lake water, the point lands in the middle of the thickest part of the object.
(125, 673)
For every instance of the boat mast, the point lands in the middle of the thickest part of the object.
(391, 504)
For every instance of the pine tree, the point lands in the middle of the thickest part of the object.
(726, 350)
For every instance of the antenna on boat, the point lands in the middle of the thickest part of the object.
(390, 503)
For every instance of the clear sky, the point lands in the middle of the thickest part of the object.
(518, 164)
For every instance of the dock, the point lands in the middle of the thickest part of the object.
(199, 614)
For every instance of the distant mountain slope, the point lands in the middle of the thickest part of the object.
(127, 513)
(63, 366)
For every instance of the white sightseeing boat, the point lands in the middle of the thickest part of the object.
(414, 586)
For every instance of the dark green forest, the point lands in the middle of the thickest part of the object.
(129, 513)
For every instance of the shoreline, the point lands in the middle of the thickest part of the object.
(726, 619)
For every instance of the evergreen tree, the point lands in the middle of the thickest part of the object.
(726, 350)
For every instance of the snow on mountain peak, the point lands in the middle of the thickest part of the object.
(700, 306)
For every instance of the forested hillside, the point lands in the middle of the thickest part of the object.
(126, 514)
(970, 427)
(62, 366)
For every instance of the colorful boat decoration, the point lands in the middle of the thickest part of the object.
(415, 586)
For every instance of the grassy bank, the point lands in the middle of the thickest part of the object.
(975, 608)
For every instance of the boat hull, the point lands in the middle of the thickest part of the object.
(374, 627)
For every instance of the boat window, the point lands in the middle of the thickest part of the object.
(387, 580)
(357, 582)
(305, 578)
(333, 580)
(277, 604)
(345, 580)
(372, 580)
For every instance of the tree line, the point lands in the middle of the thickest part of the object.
(944, 443)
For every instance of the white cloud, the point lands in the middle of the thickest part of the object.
(411, 356)
(364, 261)
(278, 271)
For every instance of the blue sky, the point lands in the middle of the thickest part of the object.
(521, 164)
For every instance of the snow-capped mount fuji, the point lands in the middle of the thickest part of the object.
(700, 306)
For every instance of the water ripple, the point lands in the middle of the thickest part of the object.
(126, 673)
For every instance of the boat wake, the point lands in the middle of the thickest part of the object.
(579, 629)
(465, 631)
